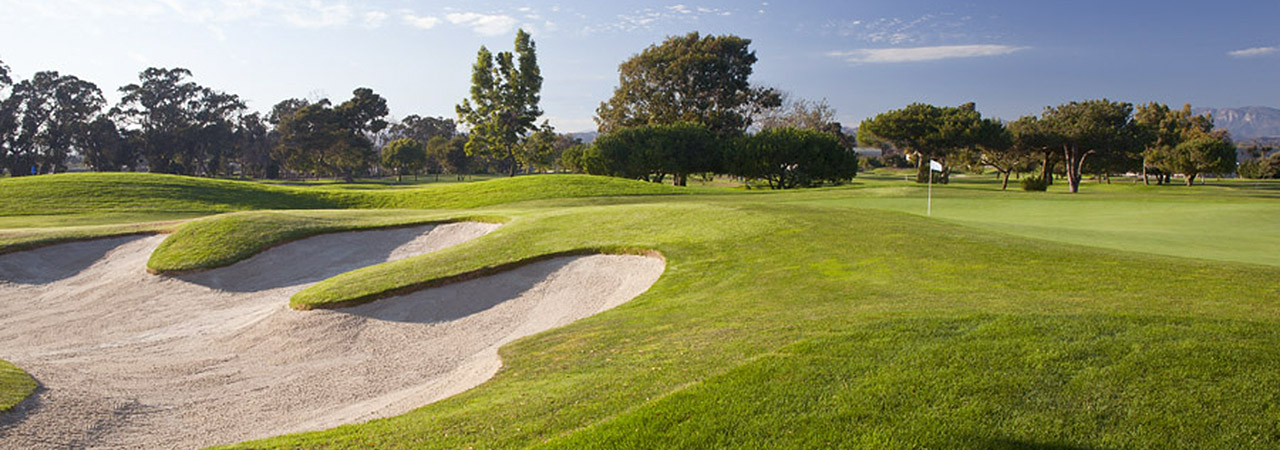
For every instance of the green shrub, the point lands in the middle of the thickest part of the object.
(1034, 184)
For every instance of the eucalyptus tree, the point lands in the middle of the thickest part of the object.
(404, 155)
(690, 78)
(183, 127)
(332, 140)
(45, 118)
(503, 107)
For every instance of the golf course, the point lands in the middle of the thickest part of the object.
(1122, 316)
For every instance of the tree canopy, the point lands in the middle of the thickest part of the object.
(404, 155)
(183, 127)
(503, 107)
(690, 78)
(929, 132)
(792, 157)
(651, 152)
(332, 141)
(1099, 128)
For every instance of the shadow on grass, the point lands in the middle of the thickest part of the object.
(1015, 444)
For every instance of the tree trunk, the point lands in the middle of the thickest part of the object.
(1191, 180)
(1005, 184)
(1046, 172)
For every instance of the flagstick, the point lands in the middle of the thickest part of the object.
(929, 208)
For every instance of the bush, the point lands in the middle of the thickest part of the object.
(790, 157)
(1034, 184)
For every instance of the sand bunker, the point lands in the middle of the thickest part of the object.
(130, 360)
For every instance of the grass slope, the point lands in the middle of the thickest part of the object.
(907, 332)
(15, 386)
(226, 239)
(822, 319)
(55, 208)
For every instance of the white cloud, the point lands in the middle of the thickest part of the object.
(316, 14)
(374, 19)
(422, 22)
(483, 24)
(1255, 51)
(917, 54)
(680, 9)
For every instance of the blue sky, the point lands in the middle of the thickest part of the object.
(1010, 57)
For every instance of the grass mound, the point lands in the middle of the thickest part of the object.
(97, 193)
(15, 385)
(100, 193)
(226, 239)
(56, 208)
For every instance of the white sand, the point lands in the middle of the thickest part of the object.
(130, 360)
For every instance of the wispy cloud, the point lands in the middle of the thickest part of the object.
(483, 24)
(918, 54)
(1254, 52)
(374, 19)
(928, 29)
(650, 18)
(423, 22)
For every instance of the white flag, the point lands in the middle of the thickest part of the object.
(935, 166)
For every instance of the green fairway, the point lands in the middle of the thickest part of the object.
(843, 317)
(1225, 222)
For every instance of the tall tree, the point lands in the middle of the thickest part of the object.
(253, 144)
(1161, 129)
(690, 78)
(404, 155)
(105, 148)
(1092, 127)
(49, 114)
(1032, 136)
(332, 140)
(183, 127)
(503, 108)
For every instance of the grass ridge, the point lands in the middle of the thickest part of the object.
(346, 302)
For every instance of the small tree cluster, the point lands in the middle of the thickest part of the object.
(652, 152)
(792, 157)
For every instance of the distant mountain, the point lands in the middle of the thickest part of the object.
(1247, 123)
(586, 136)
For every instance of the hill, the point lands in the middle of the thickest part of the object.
(1250, 122)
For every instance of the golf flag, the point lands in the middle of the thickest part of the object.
(935, 166)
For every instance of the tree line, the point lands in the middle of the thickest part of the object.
(1092, 137)
(168, 123)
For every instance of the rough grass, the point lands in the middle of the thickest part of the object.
(15, 386)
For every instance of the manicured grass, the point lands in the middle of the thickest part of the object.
(99, 193)
(971, 339)
(55, 208)
(226, 239)
(15, 386)
(824, 318)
